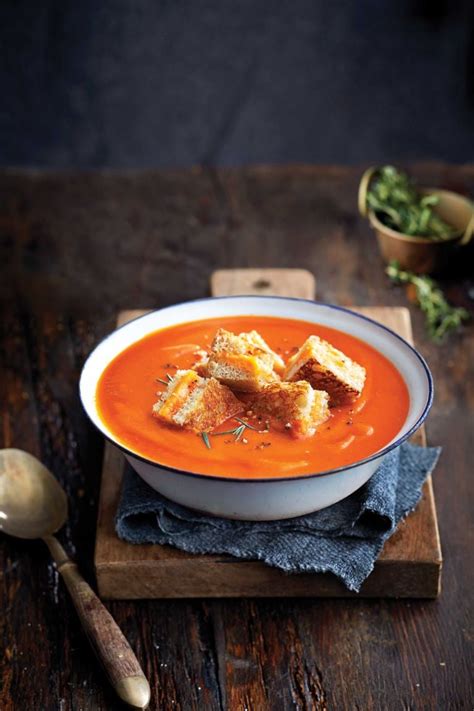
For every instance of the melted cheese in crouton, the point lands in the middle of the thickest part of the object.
(244, 362)
(250, 343)
(296, 406)
(196, 403)
(240, 372)
(327, 368)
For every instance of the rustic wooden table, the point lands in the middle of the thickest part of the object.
(77, 248)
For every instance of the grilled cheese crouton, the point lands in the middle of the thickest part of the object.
(196, 403)
(296, 406)
(250, 343)
(244, 362)
(240, 372)
(327, 368)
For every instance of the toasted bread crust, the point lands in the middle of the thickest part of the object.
(250, 343)
(213, 403)
(322, 379)
(240, 372)
(244, 363)
(217, 405)
(327, 368)
(295, 406)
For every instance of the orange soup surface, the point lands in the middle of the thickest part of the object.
(129, 385)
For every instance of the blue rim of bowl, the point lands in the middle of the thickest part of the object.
(222, 477)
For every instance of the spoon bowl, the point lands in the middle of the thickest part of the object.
(32, 502)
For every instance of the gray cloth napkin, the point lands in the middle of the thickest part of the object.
(344, 539)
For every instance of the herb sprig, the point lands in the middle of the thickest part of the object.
(165, 382)
(205, 439)
(399, 205)
(237, 432)
(441, 316)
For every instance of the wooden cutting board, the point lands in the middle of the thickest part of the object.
(409, 565)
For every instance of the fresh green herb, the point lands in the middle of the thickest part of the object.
(205, 439)
(398, 204)
(227, 432)
(237, 432)
(246, 424)
(169, 379)
(441, 317)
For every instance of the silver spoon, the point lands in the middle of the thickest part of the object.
(34, 505)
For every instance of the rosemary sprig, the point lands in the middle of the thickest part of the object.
(169, 379)
(218, 434)
(205, 439)
(237, 432)
(246, 424)
(441, 316)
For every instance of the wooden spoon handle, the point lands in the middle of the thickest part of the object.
(105, 636)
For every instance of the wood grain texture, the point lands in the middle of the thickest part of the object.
(298, 283)
(409, 566)
(75, 250)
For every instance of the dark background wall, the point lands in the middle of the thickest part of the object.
(118, 83)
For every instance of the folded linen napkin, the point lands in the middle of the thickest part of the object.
(344, 539)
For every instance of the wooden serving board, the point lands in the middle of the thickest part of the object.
(409, 565)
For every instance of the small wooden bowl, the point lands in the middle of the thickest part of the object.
(420, 254)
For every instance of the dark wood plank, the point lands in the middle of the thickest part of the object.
(82, 247)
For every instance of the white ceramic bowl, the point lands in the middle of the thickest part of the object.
(262, 499)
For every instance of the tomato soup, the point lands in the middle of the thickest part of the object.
(129, 386)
